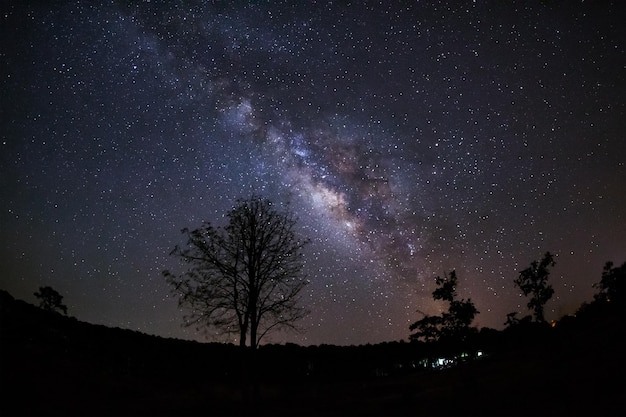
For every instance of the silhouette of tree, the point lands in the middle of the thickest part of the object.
(513, 320)
(50, 300)
(246, 277)
(427, 329)
(453, 324)
(533, 281)
(612, 285)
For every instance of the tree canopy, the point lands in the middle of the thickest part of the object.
(533, 281)
(612, 285)
(453, 324)
(245, 278)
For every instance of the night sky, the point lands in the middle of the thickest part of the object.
(410, 140)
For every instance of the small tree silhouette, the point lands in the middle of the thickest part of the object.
(50, 300)
(612, 286)
(533, 281)
(512, 319)
(453, 324)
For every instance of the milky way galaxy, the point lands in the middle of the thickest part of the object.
(408, 139)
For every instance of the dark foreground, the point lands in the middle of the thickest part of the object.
(52, 365)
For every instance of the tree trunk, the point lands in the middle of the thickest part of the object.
(242, 337)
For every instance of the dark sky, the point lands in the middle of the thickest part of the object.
(409, 140)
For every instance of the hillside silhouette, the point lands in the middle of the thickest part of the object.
(57, 365)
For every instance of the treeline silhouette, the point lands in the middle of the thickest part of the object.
(56, 365)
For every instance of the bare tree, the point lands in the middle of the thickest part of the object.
(245, 278)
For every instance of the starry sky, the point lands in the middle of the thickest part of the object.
(410, 139)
